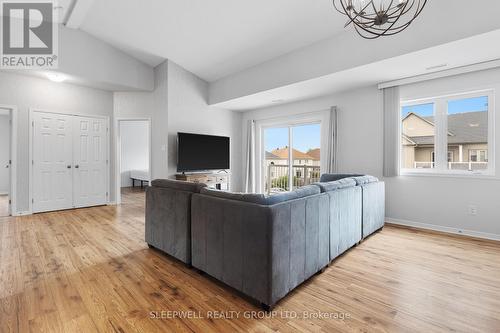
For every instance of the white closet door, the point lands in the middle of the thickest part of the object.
(90, 165)
(52, 162)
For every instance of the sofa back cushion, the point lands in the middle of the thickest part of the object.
(246, 197)
(362, 180)
(302, 192)
(178, 185)
(262, 199)
(330, 177)
(336, 185)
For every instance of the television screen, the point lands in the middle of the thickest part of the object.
(196, 152)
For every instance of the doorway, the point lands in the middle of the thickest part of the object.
(292, 156)
(8, 131)
(133, 157)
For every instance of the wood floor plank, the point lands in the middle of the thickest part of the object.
(89, 270)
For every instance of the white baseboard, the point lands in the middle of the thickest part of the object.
(449, 230)
(21, 213)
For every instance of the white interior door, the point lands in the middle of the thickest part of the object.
(52, 162)
(5, 130)
(4, 152)
(90, 161)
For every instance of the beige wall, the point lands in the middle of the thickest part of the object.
(415, 126)
(408, 157)
(423, 154)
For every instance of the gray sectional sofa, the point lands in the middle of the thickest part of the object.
(263, 246)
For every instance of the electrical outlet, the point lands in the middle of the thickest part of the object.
(472, 210)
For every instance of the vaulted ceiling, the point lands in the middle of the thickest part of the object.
(211, 38)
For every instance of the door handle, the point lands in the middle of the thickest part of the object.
(77, 166)
(7, 166)
(69, 167)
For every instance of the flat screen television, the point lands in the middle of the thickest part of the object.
(197, 152)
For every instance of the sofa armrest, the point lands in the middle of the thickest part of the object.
(373, 207)
(168, 221)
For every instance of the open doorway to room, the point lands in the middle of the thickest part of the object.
(7, 161)
(134, 157)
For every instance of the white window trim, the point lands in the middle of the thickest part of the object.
(440, 139)
(319, 117)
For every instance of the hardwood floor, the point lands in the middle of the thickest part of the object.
(89, 270)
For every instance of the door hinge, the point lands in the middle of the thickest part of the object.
(107, 194)
(10, 201)
(32, 200)
(32, 124)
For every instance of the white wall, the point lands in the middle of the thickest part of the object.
(430, 201)
(360, 126)
(134, 140)
(100, 64)
(4, 153)
(444, 201)
(29, 92)
(188, 111)
(153, 105)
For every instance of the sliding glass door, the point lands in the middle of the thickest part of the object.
(292, 156)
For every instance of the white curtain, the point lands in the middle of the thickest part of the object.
(250, 156)
(391, 131)
(332, 165)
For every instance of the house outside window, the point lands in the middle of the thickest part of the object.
(448, 135)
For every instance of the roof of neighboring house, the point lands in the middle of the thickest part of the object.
(282, 154)
(271, 156)
(469, 127)
(315, 154)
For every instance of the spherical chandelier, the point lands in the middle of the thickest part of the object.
(376, 18)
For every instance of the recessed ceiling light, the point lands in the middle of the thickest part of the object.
(56, 77)
(436, 67)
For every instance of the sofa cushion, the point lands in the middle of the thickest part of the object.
(178, 185)
(262, 199)
(296, 194)
(336, 185)
(330, 177)
(247, 197)
(365, 180)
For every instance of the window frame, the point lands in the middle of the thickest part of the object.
(441, 134)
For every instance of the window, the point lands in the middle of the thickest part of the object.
(478, 155)
(292, 156)
(449, 134)
(418, 136)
